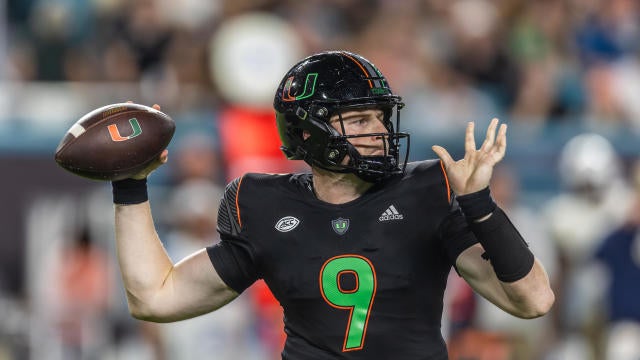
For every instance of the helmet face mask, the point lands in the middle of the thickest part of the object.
(323, 87)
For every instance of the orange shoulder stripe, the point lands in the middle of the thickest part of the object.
(361, 68)
(237, 205)
(446, 180)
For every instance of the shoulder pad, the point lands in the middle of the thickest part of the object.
(431, 169)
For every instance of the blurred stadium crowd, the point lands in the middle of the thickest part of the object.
(564, 74)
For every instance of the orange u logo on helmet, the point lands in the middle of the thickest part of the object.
(115, 133)
(309, 88)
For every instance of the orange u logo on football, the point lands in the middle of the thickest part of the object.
(115, 133)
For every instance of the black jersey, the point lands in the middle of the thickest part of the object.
(360, 280)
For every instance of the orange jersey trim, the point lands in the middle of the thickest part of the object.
(446, 180)
(357, 282)
(238, 206)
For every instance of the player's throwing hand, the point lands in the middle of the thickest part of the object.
(473, 172)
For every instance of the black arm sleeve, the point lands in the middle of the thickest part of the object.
(455, 235)
(506, 249)
(504, 246)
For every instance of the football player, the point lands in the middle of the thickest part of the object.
(357, 251)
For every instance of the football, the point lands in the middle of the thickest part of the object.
(115, 142)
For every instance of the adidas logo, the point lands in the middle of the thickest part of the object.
(390, 214)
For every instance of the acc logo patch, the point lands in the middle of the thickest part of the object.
(287, 224)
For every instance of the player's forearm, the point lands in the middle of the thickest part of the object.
(518, 283)
(531, 296)
(143, 261)
(527, 297)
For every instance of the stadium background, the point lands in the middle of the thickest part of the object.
(550, 69)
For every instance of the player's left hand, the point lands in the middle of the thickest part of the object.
(473, 172)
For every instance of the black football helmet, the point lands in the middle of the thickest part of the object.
(327, 84)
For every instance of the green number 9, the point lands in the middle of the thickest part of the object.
(358, 301)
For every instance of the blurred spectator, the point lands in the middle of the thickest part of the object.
(608, 30)
(197, 157)
(190, 14)
(534, 42)
(480, 49)
(78, 63)
(626, 91)
(609, 34)
(480, 345)
(81, 297)
(20, 62)
(619, 255)
(119, 62)
(146, 32)
(595, 201)
(249, 54)
(323, 24)
(51, 26)
(192, 214)
(592, 175)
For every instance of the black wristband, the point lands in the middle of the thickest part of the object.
(504, 246)
(129, 191)
(477, 204)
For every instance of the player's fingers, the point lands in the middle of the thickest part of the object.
(443, 154)
(501, 141)
(164, 156)
(491, 135)
(469, 139)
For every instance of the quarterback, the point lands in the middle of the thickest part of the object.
(357, 250)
